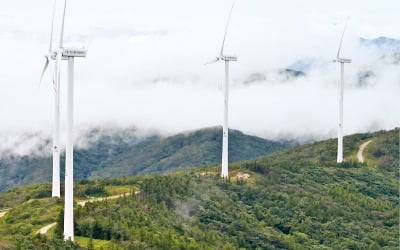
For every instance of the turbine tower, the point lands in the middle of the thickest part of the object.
(69, 54)
(341, 61)
(53, 55)
(226, 59)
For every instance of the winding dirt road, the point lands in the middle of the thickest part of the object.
(360, 156)
(2, 213)
(46, 228)
(83, 203)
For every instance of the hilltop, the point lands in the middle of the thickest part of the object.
(298, 198)
(114, 153)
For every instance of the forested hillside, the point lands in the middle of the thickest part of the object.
(125, 153)
(296, 199)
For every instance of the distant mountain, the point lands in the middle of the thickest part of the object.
(254, 78)
(382, 42)
(113, 153)
(186, 150)
(289, 74)
(305, 65)
(388, 47)
(281, 75)
(35, 165)
(365, 78)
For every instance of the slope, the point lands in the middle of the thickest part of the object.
(112, 153)
(296, 199)
(187, 150)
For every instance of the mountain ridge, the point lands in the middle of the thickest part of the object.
(382, 42)
(112, 154)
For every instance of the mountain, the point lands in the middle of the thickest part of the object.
(281, 76)
(306, 65)
(111, 153)
(299, 198)
(389, 50)
(35, 165)
(289, 74)
(383, 43)
(388, 47)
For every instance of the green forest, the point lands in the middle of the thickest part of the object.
(297, 198)
(111, 154)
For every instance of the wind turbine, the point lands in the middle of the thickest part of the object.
(226, 59)
(341, 61)
(69, 54)
(56, 133)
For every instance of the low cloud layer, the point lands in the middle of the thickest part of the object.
(144, 66)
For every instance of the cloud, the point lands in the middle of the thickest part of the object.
(21, 144)
(145, 65)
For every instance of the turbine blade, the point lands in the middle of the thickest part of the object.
(227, 26)
(46, 64)
(341, 39)
(62, 26)
(52, 28)
(212, 61)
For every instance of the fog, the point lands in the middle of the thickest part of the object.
(145, 67)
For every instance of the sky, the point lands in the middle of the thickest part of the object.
(144, 66)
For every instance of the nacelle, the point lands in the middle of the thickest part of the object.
(228, 58)
(342, 60)
(73, 52)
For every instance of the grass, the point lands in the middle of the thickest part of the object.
(18, 195)
(116, 190)
(97, 244)
(35, 212)
(29, 217)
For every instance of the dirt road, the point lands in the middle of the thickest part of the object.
(46, 228)
(360, 156)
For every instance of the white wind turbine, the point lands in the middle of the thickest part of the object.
(226, 59)
(69, 54)
(52, 55)
(341, 61)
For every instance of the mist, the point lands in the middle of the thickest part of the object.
(145, 67)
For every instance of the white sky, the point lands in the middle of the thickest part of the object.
(145, 64)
